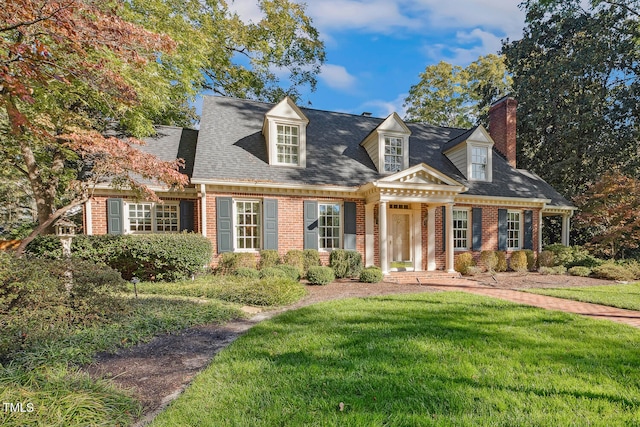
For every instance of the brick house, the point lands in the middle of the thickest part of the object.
(407, 196)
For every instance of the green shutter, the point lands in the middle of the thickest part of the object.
(528, 230)
(502, 229)
(310, 224)
(270, 224)
(187, 209)
(476, 229)
(224, 222)
(115, 216)
(349, 229)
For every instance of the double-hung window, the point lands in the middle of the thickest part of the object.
(247, 229)
(153, 218)
(329, 225)
(460, 229)
(479, 162)
(167, 218)
(288, 145)
(393, 154)
(140, 217)
(513, 230)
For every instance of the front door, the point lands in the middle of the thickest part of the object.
(400, 242)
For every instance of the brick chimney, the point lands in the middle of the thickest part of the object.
(502, 127)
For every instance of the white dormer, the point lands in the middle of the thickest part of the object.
(474, 155)
(285, 132)
(388, 145)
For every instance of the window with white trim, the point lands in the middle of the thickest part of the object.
(460, 229)
(167, 218)
(329, 226)
(479, 162)
(152, 217)
(288, 144)
(393, 154)
(140, 218)
(247, 225)
(514, 229)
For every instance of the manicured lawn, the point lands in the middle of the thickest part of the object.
(420, 360)
(621, 296)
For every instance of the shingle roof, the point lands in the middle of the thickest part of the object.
(231, 147)
(172, 143)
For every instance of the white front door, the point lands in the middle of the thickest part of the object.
(400, 241)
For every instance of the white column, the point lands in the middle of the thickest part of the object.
(88, 216)
(449, 244)
(203, 209)
(431, 239)
(382, 231)
(417, 238)
(369, 238)
(540, 222)
(566, 226)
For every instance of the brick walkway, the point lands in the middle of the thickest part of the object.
(596, 311)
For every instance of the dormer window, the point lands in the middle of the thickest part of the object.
(393, 154)
(479, 162)
(288, 145)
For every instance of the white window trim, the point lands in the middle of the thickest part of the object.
(273, 142)
(489, 174)
(467, 246)
(341, 232)
(520, 230)
(405, 151)
(154, 225)
(234, 225)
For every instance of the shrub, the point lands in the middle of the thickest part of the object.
(501, 265)
(571, 256)
(546, 259)
(473, 271)
(489, 260)
(319, 275)
(612, 271)
(290, 271)
(268, 258)
(295, 258)
(518, 261)
(531, 259)
(247, 273)
(310, 258)
(632, 265)
(563, 255)
(580, 271)
(345, 263)
(272, 272)
(269, 291)
(371, 275)
(231, 261)
(557, 270)
(462, 263)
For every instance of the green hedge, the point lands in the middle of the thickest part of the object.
(371, 275)
(164, 257)
(319, 275)
(345, 263)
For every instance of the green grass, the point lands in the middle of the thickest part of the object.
(420, 360)
(46, 374)
(621, 296)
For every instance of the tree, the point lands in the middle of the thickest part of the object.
(609, 214)
(449, 95)
(575, 75)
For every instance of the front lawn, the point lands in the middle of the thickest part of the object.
(426, 359)
(621, 296)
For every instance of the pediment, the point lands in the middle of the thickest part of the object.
(288, 110)
(394, 124)
(421, 174)
(480, 135)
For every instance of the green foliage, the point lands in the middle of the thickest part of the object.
(290, 271)
(345, 263)
(268, 258)
(557, 270)
(613, 271)
(531, 259)
(501, 266)
(371, 275)
(518, 261)
(570, 256)
(311, 258)
(449, 95)
(272, 272)
(489, 260)
(231, 261)
(295, 258)
(546, 258)
(320, 275)
(247, 273)
(463, 262)
(579, 271)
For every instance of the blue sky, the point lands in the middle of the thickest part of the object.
(377, 48)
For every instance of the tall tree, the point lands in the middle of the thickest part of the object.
(575, 74)
(449, 95)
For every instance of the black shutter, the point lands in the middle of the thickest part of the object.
(224, 222)
(349, 238)
(502, 229)
(528, 230)
(444, 228)
(476, 229)
(270, 227)
(187, 208)
(115, 216)
(310, 224)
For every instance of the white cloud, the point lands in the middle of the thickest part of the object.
(337, 77)
(382, 108)
(377, 16)
(247, 10)
(480, 43)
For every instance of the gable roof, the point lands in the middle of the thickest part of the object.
(231, 147)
